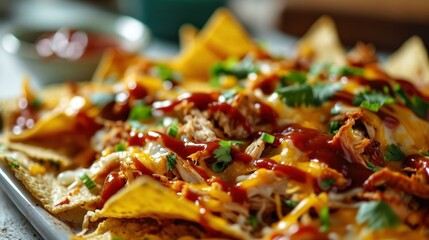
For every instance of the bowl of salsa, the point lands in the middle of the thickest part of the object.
(67, 43)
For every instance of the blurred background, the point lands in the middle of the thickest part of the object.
(29, 24)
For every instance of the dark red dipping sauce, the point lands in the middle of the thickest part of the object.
(73, 44)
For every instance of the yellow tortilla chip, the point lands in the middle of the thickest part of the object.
(321, 43)
(145, 197)
(41, 182)
(187, 34)
(222, 37)
(410, 62)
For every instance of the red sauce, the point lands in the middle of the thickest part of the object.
(267, 114)
(200, 101)
(73, 44)
(238, 194)
(136, 90)
(268, 84)
(376, 84)
(293, 173)
(415, 161)
(112, 184)
(141, 167)
(233, 114)
(410, 89)
(320, 148)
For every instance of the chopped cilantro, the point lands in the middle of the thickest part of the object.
(325, 184)
(222, 156)
(165, 73)
(14, 164)
(253, 222)
(293, 77)
(37, 103)
(120, 147)
(324, 219)
(140, 112)
(377, 215)
(337, 71)
(372, 167)
(419, 106)
(372, 101)
(171, 161)
(393, 153)
(290, 203)
(239, 69)
(334, 126)
(297, 95)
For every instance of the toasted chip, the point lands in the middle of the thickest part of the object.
(144, 228)
(410, 62)
(321, 43)
(187, 34)
(222, 37)
(44, 186)
(146, 197)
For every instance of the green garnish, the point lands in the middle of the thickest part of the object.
(171, 161)
(37, 103)
(393, 153)
(293, 77)
(324, 219)
(55, 165)
(372, 101)
(334, 127)
(425, 153)
(325, 184)
(234, 68)
(165, 73)
(222, 156)
(140, 112)
(14, 164)
(337, 71)
(236, 142)
(120, 147)
(377, 215)
(87, 181)
(173, 129)
(290, 203)
(253, 222)
(372, 167)
(297, 95)
(268, 138)
(419, 106)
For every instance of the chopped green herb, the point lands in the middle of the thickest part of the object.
(101, 99)
(372, 101)
(290, 203)
(171, 161)
(377, 215)
(140, 112)
(293, 77)
(235, 68)
(120, 147)
(324, 219)
(253, 222)
(393, 153)
(372, 167)
(297, 95)
(87, 181)
(173, 129)
(325, 184)
(425, 153)
(222, 156)
(14, 164)
(37, 103)
(268, 138)
(337, 71)
(419, 106)
(236, 142)
(334, 127)
(165, 73)
(319, 68)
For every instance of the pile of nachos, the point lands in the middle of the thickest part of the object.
(227, 140)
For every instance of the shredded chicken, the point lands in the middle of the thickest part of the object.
(187, 172)
(197, 127)
(256, 148)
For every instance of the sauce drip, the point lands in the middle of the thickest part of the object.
(200, 101)
(112, 184)
(233, 114)
(293, 173)
(320, 148)
(238, 194)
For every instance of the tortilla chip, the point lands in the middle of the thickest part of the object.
(187, 34)
(145, 228)
(145, 197)
(321, 43)
(222, 37)
(410, 62)
(41, 182)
